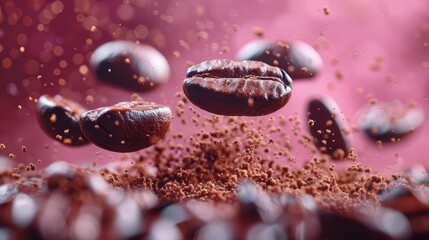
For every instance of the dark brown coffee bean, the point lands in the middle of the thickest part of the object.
(391, 121)
(379, 223)
(328, 128)
(59, 117)
(297, 58)
(136, 67)
(247, 88)
(126, 126)
(411, 201)
(300, 216)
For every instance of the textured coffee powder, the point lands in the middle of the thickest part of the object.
(209, 164)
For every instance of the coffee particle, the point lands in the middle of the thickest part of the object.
(259, 32)
(326, 10)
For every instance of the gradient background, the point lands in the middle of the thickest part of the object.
(380, 48)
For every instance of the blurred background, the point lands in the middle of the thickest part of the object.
(370, 49)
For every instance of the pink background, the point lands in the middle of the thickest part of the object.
(352, 39)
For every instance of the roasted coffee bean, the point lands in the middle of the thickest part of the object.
(300, 216)
(136, 67)
(328, 128)
(391, 121)
(59, 117)
(247, 88)
(126, 126)
(411, 201)
(297, 58)
(379, 223)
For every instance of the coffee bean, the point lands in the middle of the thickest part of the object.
(300, 216)
(411, 201)
(247, 88)
(390, 121)
(328, 127)
(137, 67)
(297, 58)
(59, 117)
(365, 223)
(126, 126)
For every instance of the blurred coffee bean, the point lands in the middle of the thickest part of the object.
(62, 176)
(299, 216)
(267, 231)
(411, 201)
(136, 67)
(380, 223)
(391, 121)
(59, 118)
(297, 58)
(23, 210)
(7, 194)
(256, 205)
(216, 230)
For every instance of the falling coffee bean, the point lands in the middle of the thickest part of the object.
(390, 121)
(328, 128)
(247, 88)
(137, 67)
(59, 117)
(126, 126)
(297, 58)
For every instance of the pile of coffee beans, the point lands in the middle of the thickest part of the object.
(227, 192)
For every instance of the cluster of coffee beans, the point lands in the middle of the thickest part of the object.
(259, 84)
(225, 87)
(84, 206)
(123, 127)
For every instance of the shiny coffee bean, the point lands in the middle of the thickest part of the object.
(328, 128)
(59, 117)
(137, 67)
(247, 88)
(297, 58)
(126, 126)
(391, 121)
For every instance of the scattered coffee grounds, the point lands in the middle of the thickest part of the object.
(137, 67)
(229, 179)
(247, 88)
(328, 128)
(390, 121)
(297, 58)
(126, 126)
(59, 118)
